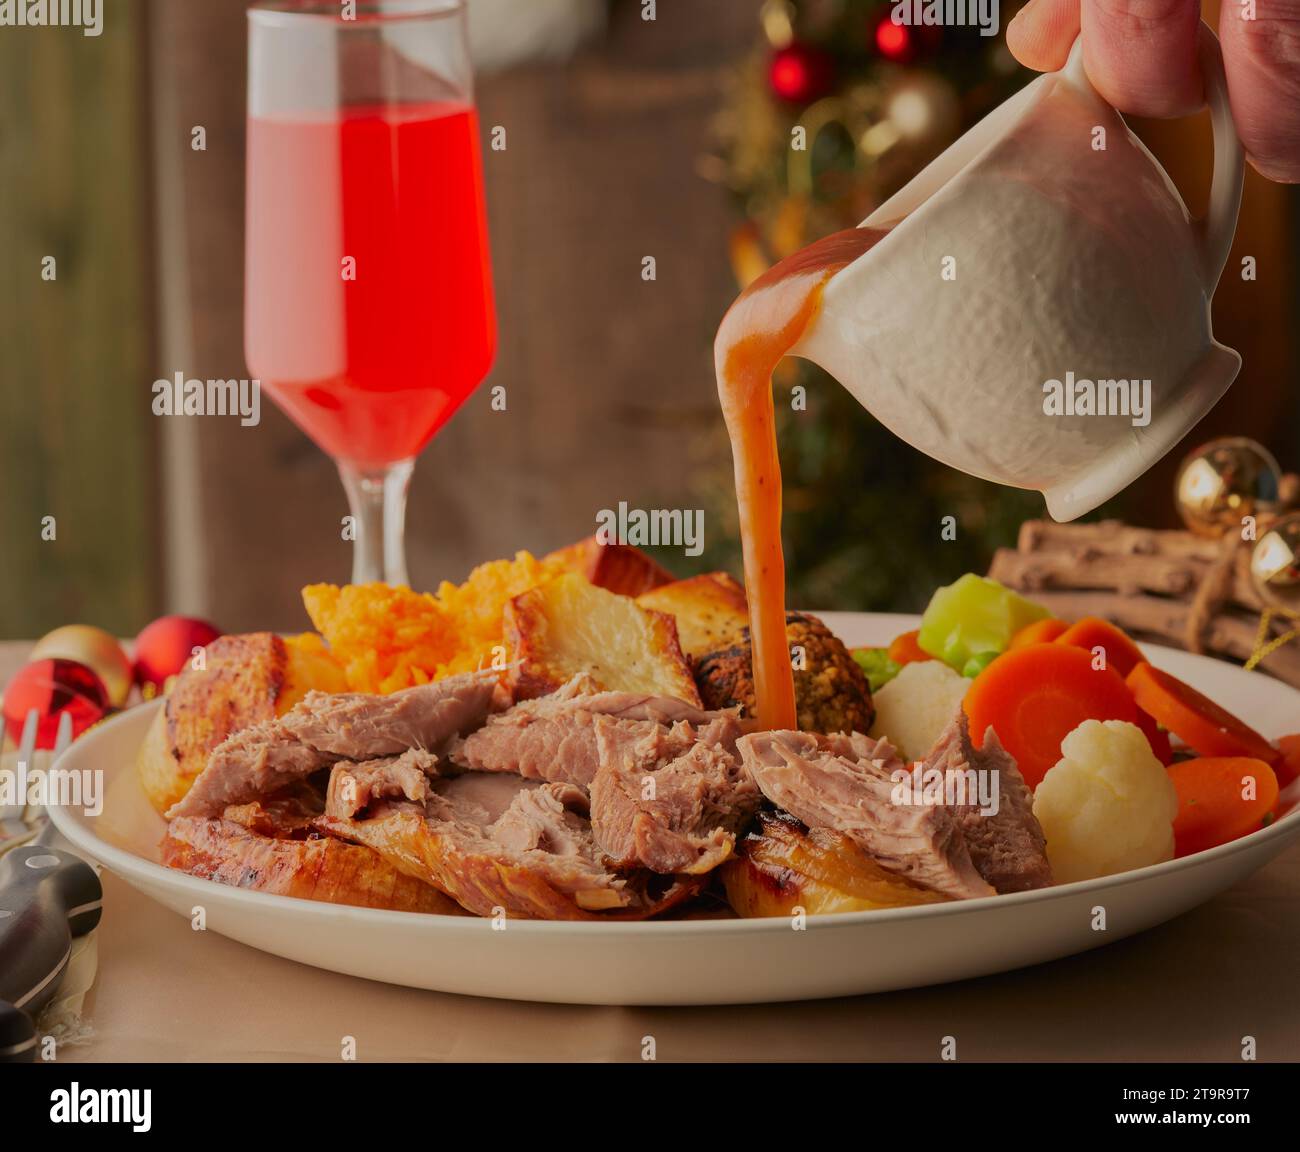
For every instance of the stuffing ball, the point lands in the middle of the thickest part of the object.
(1108, 805)
(831, 690)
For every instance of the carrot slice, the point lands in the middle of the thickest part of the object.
(1034, 697)
(1287, 767)
(1196, 719)
(905, 649)
(1092, 632)
(1039, 632)
(1219, 799)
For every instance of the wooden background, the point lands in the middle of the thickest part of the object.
(608, 377)
(75, 352)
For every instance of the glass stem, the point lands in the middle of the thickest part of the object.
(377, 498)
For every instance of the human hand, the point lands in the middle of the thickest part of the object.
(1141, 55)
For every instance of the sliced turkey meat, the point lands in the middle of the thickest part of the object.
(846, 783)
(668, 799)
(554, 738)
(1007, 846)
(323, 729)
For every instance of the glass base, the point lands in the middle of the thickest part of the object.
(377, 524)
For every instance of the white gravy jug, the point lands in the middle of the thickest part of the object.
(1040, 316)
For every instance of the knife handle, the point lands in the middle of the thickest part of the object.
(46, 897)
(17, 1036)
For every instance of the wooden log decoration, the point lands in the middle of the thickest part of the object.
(1166, 586)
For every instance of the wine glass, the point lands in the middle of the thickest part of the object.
(368, 311)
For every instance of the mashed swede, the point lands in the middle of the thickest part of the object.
(1108, 805)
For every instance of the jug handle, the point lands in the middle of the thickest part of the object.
(1219, 225)
(1214, 231)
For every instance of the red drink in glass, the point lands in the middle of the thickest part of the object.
(369, 307)
(368, 297)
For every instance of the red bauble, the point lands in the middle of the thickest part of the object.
(903, 43)
(166, 646)
(801, 73)
(53, 687)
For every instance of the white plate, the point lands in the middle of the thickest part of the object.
(691, 962)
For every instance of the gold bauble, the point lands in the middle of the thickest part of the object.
(96, 649)
(1275, 566)
(1224, 481)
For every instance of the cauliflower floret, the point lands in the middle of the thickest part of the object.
(1108, 805)
(916, 706)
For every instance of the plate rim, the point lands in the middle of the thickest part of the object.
(126, 863)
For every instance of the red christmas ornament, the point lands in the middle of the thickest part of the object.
(166, 646)
(53, 687)
(903, 43)
(801, 73)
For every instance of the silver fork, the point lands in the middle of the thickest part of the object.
(46, 832)
(13, 825)
(11, 815)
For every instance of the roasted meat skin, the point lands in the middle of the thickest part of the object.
(531, 857)
(290, 814)
(311, 868)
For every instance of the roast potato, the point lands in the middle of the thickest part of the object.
(247, 679)
(711, 611)
(618, 568)
(831, 690)
(782, 865)
(567, 626)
